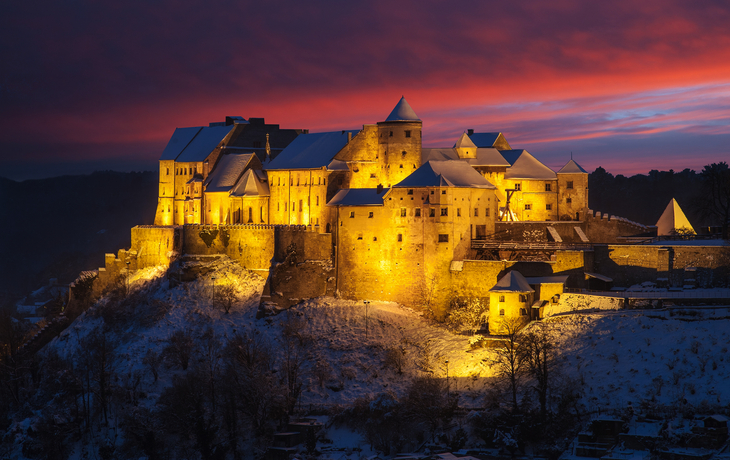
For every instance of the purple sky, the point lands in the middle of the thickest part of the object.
(630, 86)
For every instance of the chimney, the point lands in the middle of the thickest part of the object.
(380, 189)
(470, 132)
(349, 137)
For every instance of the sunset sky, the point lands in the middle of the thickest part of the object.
(627, 85)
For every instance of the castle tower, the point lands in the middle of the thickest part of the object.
(572, 192)
(399, 144)
(465, 148)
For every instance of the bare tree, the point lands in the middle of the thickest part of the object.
(509, 361)
(538, 350)
(179, 349)
(715, 198)
(225, 296)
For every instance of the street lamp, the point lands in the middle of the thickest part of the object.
(366, 302)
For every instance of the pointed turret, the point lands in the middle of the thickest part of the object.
(402, 112)
(572, 167)
(465, 148)
(673, 221)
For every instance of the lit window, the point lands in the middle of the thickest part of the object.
(443, 238)
(444, 211)
(501, 312)
(403, 212)
(501, 298)
(570, 184)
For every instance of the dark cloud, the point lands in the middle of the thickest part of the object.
(111, 75)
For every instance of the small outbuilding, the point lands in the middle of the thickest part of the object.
(510, 303)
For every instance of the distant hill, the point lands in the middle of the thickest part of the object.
(643, 198)
(56, 227)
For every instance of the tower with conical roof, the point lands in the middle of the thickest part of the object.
(399, 144)
(572, 192)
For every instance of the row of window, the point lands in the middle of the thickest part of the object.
(548, 186)
(523, 298)
(431, 212)
(523, 312)
(442, 238)
(548, 206)
(183, 171)
(320, 181)
(407, 132)
(301, 204)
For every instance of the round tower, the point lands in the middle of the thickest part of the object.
(399, 143)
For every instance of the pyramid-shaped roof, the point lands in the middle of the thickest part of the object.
(251, 184)
(572, 167)
(402, 112)
(465, 143)
(512, 282)
(525, 166)
(451, 173)
(673, 219)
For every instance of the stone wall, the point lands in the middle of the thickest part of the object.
(537, 232)
(603, 228)
(155, 245)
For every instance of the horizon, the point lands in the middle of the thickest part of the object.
(620, 85)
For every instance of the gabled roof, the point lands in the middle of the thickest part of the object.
(465, 142)
(226, 173)
(402, 112)
(672, 219)
(513, 281)
(495, 140)
(572, 167)
(358, 197)
(488, 157)
(250, 184)
(310, 151)
(204, 142)
(180, 139)
(526, 166)
(453, 173)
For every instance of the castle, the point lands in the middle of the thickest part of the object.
(371, 214)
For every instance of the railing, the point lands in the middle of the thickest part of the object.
(686, 294)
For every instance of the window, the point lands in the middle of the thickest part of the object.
(410, 191)
(443, 238)
(458, 212)
(523, 312)
(476, 212)
(431, 212)
(250, 215)
(547, 187)
(570, 184)
(408, 133)
(528, 206)
(359, 236)
(391, 134)
(400, 237)
(501, 312)
(370, 215)
(486, 212)
(168, 171)
(548, 207)
(261, 213)
(569, 200)
(403, 153)
(444, 211)
(285, 207)
(518, 186)
(443, 192)
(501, 299)
(317, 201)
(375, 238)
(277, 205)
(403, 212)
(352, 214)
(418, 212)
(523, 298)
(401, 166)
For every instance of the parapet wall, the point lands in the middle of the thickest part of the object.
(603, 228)
(155, 245)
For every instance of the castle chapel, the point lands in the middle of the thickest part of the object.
(249, 172)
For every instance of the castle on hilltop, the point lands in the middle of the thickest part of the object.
(371, 214)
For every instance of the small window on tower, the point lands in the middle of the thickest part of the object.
(443, 238)
(400, 237)
(410, 191)
(418, 212)
(408, 133)
(501, 298)
(548, 207)
(570, 184)
(569, 200)
(431, 212)
(458, 212)
(518, 186)
(523, 312)
(528, 206)
(444, 211)
(352, 214)
(403, 212)
(370, 215)
(547, 187)
(501, 310)
(476, 212)
(391, 134)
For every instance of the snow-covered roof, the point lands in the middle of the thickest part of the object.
(465, 142)
(484, 139)
(438, 155)
(402, 112)
(337, 165)
(310, 151)
(204, 142)
(672, 219)
(227, 172)
(358, 197)
(179, 140)
(251, 184)
(526, 166)
(488, 157)
(513, 281)
(452, 173)
(572, 167)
